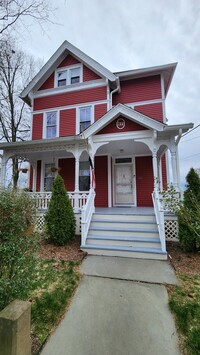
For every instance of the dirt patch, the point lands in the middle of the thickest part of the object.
(181, 261)
(67, 252)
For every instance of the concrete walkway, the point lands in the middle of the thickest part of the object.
(112, 315)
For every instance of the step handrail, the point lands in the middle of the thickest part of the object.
(86, 216)
(159, 213)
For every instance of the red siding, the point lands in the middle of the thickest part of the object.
(141, 89)
(89, 75)
(31, 178)
(144, 181)
(152, 110)
(67, 122)
(69, 60)
(164, 170)
(37, 126)
(70, 98)
(129, 126)
(38, 179)
(67, 172)
(101, 176)
(48, 84)
(99, 111)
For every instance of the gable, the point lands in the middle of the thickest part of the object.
(121, 124)
(88, 74)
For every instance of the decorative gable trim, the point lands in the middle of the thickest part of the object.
(56, 60)
(122, 110)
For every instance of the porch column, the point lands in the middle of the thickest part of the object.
(155, 169)
(3, 172)
(174, 168)
(76, 190)
(91, 178)
(34, 166)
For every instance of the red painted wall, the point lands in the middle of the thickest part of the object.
(89, 75)
(70, 98)
(67, 166)
(38, 178)
(144, 181)
(67, 123)
(152, 110)
(31, 178)
(48, 84)
(101, 176)
(141, 89)
(37, 126)
(99, 111)
(69, 60)
(129, 126)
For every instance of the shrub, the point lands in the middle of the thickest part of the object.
(17, 245)
(189, 214)
(59, 219)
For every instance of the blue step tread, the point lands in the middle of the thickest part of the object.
(125, 239)
(140, 230)
(126, 249)
(119, 221)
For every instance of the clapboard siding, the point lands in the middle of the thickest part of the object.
(144, 181)
(37, 126)
(67, 122)
(67, 171)
(101, 176)
(89, 75)
(154, 111)
(129, 126)
(99, 111)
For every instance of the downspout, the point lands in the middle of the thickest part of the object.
(115, 90)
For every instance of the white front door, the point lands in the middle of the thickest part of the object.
(124, 184)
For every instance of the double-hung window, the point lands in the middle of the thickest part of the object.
(49, 177)
(85, 117)
(51, 124)
(84, 176)
(68, 76)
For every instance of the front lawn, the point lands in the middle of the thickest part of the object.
(184, 300)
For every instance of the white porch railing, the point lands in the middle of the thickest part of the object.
(86, 215)
(78, 199)
(159, 213)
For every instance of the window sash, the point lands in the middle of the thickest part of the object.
(51, 124)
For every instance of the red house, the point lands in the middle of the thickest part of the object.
(85, 117)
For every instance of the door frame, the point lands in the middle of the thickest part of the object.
(133, 180)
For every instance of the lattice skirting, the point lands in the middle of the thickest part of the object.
(40, 222)
(171, 228)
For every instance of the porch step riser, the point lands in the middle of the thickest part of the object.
(124, 233)
(124, 217)
(138, 255)
(125, 225)
(123, 243)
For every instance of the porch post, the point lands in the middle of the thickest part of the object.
(155, 169)
(92, 160)
(3, 172)
(174, 168)
(76, 190)
(34, 165)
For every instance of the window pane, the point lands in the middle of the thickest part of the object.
(75, 72)
(49, 177)
(75, 79)
(51, 131)
(62, 82)
(62, 78)
(51, 118)
(84, 125)
(85, 114)
(84, 183)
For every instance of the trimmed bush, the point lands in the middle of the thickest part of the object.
(59, 219)
(17, 245)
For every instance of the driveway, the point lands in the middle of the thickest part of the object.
(120, 308)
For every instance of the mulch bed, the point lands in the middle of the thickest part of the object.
(67, 252)
(182, 261)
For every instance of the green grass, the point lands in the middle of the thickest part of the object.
(184, 302)
(51, 291)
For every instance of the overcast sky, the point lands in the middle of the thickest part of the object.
(131, 34)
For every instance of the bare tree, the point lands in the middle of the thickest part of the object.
(16, 70)
(12, 11)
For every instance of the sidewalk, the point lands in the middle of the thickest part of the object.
(112, 316)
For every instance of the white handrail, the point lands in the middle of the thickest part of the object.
(159, 213)
(86, 215)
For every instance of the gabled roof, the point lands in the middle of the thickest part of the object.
(166, 70)
(122, 110)
(56, 59)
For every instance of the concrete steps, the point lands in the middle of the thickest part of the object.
(126, 235)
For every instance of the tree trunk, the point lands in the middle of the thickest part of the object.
(15, 172)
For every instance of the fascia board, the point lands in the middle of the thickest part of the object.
(127, 112)
(122, 136)
(47, 68)
(184, 126)
(145, 71)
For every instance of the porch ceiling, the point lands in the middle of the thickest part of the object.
(124, 148)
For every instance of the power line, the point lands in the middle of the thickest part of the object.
(191, 130)
(190, 156)
(188, 140)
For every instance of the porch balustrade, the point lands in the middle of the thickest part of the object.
(78, 199)
(159, 213)
(86, 216)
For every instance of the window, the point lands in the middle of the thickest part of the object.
(84, 176)
(85, 117)
(51, 124)
(68, 76)
(49, 177)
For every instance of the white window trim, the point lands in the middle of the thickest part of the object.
(44, 133)
(78, 116)
(58, 70)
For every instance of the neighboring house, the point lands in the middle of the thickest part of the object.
(82, 110)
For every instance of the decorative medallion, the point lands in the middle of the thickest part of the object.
(120, 124)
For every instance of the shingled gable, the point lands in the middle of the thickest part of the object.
(125, 111)
(57, 58)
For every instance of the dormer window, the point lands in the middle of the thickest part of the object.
(68, 76)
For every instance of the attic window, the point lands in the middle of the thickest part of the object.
(68, 76)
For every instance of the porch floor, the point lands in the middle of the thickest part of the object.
(126, 210)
